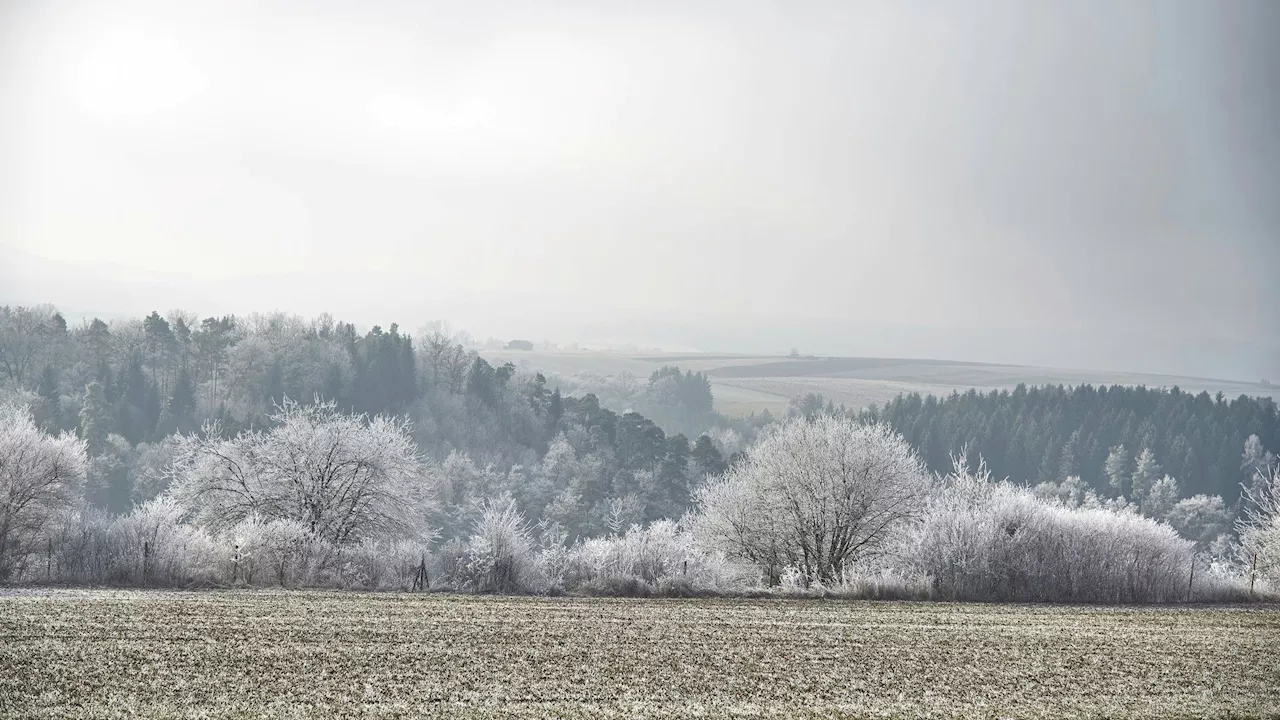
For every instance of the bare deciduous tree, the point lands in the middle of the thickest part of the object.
(39, 474)
(344, 478)
(815, 495)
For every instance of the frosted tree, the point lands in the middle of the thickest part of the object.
(1200, 518)
(344, 478)
(1070, 492)
(22, 333)
(1146, 472)
(39, 474)
(1259, 526)
(1117, 468)
(814, 495)
(95, 417)
(1160, 498)
(1256, 461)
(499, 556)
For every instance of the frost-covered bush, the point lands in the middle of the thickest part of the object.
(151, 546)
(663, 555)
(77, 548)
(374, 565)
(985, 540)
(499, 556)
(279, 552)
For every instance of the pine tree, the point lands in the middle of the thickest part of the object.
(1117, 469)
(151, 410)
(555, 410)
(50, 399)
(706, 457)
(1069, 465)
(131, 405)
(160, 342)
(95, 417)
(182, 404)
(1145, 473)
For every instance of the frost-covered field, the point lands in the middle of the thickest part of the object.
(326, 654)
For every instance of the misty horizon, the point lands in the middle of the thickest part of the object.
(1051, 186)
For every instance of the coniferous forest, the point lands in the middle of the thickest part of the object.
(1050, 434)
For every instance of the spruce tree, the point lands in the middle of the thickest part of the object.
(1145, 473)
(95, 417)
(1117, 469)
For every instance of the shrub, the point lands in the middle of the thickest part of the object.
(150, 546)
(984, 540)
(498, 557)
(661, 555)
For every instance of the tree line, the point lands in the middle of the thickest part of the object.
(821, 505)
(1096, 434)
(130, 387)
(274, 448)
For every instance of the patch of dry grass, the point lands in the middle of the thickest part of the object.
(331, 654)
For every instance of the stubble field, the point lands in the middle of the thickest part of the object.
(331, 654)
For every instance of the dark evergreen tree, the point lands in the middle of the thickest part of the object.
(706, 458)
(49, 412)
(182, 404)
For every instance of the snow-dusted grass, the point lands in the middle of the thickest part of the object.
(242, 654)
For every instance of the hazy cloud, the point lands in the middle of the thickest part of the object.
(1003, 171)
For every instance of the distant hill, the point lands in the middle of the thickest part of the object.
(750, 383)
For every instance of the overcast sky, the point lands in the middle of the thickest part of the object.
(664, 171)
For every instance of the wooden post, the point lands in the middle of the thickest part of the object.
(1253, 570)
(685, 570)
(48, 561)
(1192, 579)
(146, 562)
(235, 563)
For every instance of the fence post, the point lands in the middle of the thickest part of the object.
(1192, 579)
(48, 561)
(685, 569)
(1253, 570)
(146, 562)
